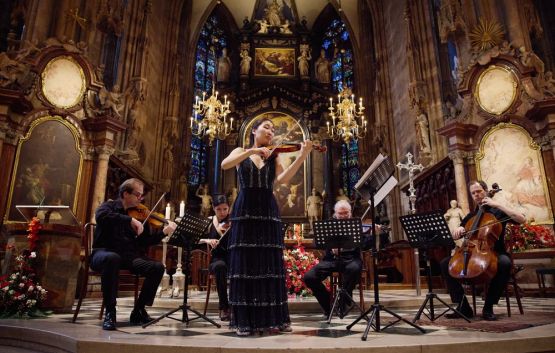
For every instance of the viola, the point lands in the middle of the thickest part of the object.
(475, 261)
(287, 147)
(142, 213)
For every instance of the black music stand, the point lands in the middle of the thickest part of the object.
(374, 185)
(424, 230)
(338, 233)
(189, 230)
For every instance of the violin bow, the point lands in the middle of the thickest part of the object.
(153, 208)
(282, 139)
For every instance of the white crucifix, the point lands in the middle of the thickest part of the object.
(411, 167)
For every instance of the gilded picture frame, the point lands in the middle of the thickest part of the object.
(291, 197)
(509, 156)
(274, 62)
(47, 169)
(63, 82)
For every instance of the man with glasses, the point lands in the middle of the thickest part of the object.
(120, 242)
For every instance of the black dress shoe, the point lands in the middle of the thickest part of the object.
(109, 322)
(489, 316)
(224, 315)
(139, 317)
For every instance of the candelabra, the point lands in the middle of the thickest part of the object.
(346, 113)
(214, 124)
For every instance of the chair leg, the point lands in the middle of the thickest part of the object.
(516, 289)
(508, 300)
(541, 284)
(474, 297)
(82, 293)
(208, 286)
(361, 294)
(101, 311)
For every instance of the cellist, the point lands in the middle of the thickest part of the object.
(479, 192)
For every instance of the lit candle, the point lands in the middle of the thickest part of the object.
(231, 125)
(328, 123)
(168, 211)
(182, 209)
(191, 122)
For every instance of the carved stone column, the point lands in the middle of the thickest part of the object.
(460, 179)
(514, 24)
(99, 191)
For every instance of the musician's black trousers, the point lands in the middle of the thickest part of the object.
(219, 268)
(350, 276)
(495, 288)
(108, 263)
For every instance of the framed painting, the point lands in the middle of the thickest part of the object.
(291, 197)
(47, 167)
(509, 156)
(274, 62)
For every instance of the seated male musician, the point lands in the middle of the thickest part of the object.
(350, 262)
(478, 190)
(119, 242)
(218, 243)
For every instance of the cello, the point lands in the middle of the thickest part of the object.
(475, 261)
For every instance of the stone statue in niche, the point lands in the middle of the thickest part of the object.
(322, 65)
(167, 166)
(285, 27)
(206, 201)
(341, 196)
(273, 14)
(314, 206)
(10, 70)
(224, 67)
(454, 216)
(423, 132)
(245, 62)
(263, 26)
(304, 59)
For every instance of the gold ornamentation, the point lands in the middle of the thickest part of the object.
(345, 111)
(496, 89)
(487, 34)
(214, 124)
(63, 82)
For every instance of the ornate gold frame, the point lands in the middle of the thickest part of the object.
(35, 123)
(480, 78)
(533, 145)
(81, 73)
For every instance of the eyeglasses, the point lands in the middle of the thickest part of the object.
(137, 194)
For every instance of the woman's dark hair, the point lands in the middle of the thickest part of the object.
(255, 126)
(479, 182)
(219, 199)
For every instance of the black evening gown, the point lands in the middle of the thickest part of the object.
(257, 292)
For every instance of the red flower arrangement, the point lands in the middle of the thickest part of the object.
(525, 236)
(297, 262)
(20, 292)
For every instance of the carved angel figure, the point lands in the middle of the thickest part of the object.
(111, 100)
(10, 70)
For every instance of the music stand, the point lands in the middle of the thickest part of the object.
(377, 181)
(424, 230)
(189, 230)
(58, 214)
(338, 233)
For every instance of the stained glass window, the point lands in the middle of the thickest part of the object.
(210, 44)
(350, 172)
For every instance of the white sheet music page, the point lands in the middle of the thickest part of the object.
(379, 159)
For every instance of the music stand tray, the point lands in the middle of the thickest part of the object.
(338, 233)
(189, 230)
(376, 182)
(424, 230)
(58, 214)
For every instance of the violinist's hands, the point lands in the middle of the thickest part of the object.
(263, 152)
(137, 226)
(458, 233)
(488, 201)
(223, 227)
(306, 147)
(213, 243)
(169, 228)
(335, 251)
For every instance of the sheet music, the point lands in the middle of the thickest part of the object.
(379, 159)
(385, 190)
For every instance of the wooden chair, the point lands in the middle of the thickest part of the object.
(334, 278)
(125, 275)
(206, 279)
(540, 274)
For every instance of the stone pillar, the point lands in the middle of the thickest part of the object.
(514, 24)
(328, 180)
(99, 191)
(460, 180)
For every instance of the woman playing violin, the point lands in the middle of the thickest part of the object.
(503, 214)
(217, 239)
(257, 294)
(119, 241)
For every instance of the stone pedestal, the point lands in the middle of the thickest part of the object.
(58, 253)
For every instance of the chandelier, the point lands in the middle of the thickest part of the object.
(344, 118)
(214, 124)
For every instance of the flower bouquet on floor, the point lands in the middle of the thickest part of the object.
(20, 293)
(521, 237)
(297, 262)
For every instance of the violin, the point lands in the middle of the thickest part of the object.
(475, 260)
(287, 147)
(142, 213)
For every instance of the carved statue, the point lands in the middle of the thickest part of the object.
(111, 100)
(548, 86)
(10, 70)
(263, 26)
(530, 59)
(423, 132)
(341, 196)
(450, 110)
(285, 28)
(314, 206)
(322, 68)
(245, 62)
(167, 166)
(303, 61)
(273, 14)
(454, 216)
(206, 203)
(224, 67)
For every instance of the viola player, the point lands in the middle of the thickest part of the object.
(119, 243)
(503, 214)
